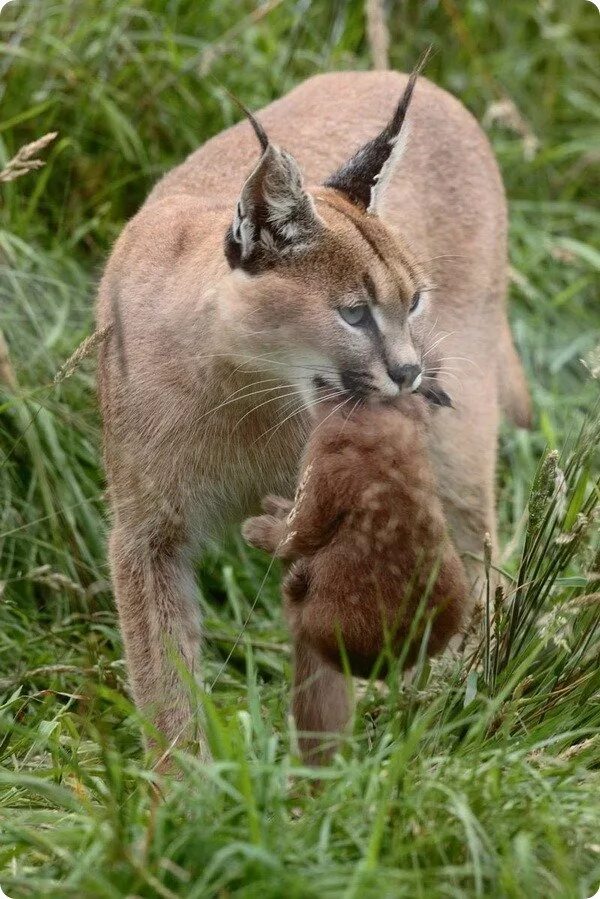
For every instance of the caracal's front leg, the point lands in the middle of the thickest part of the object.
(156, 597)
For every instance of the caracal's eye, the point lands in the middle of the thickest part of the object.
(415, 301)
(354, 315)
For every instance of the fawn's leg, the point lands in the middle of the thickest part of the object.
(320, 704)
(155, 592)
(279, 506)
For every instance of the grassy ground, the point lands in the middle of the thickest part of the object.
(481, 779)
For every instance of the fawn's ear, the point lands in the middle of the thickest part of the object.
(436, 396)
(275, 216)
(364, 177)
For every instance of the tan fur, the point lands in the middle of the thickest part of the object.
(188, 449)
(371, 559)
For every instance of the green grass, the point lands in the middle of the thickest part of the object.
(479, 780)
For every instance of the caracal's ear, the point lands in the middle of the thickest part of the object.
(364, 177)
(275, 217)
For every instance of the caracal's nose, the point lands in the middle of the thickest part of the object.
(407, 377)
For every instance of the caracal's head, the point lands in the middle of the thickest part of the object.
(322, 292)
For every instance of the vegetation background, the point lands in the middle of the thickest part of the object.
(480, 779)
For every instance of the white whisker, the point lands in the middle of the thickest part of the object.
(350, 414)
(444, 374)
(293, 393)
(424, 261)
(245, 396)
(301, 408)
(333, 411)
(437, 343)
(461, 359)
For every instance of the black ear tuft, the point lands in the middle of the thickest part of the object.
(361, 178)
(260, 132)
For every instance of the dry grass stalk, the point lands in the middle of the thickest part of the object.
(85, 348)
(226, 43)
(592, 362)
(47, 671)
(579, 748)
(56, 580)
(7, 373)
(378, 35)
(506, 112)
(588, 599)
(25, 159)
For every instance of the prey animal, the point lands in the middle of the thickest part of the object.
(373, 571)
(242, 294)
